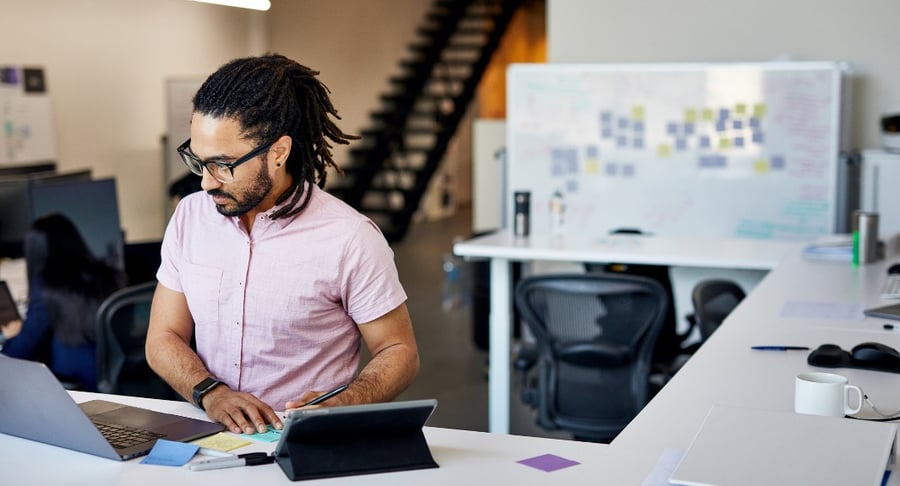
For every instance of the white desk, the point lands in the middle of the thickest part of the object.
(726, 371)
(723, 371)
(502, 248)
(464, 457)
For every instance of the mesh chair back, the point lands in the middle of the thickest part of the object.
(595, 335)
(713, 300)
(122, 322)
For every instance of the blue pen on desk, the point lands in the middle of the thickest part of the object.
(779, 348)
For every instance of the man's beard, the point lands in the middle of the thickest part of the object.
(252, 196)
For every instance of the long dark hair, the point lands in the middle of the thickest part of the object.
(271, 96)
(73, 281)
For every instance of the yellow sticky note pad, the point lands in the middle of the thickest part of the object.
(761, 166)
(664, 150)
(591, 166)
(724, 143)
(222, 442)
(740, 108)
(707, 114)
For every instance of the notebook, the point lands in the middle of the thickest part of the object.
(8, 309)
(745, 446)
(37, 407)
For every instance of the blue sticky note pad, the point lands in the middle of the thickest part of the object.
(170, 453)
(270, 435)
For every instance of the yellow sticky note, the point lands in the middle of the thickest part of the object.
(664, 150)
(591, 166)
(724, 143)
(761, 166)
(707, 114)
(637, 112)
(740, 108)
(222, 442)
(759, 110)
(690, 115)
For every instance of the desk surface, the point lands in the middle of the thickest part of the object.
(725, 370)
(464, 457)
(653, 250)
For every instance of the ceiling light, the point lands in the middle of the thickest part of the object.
(251, 4)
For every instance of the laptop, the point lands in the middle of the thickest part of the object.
(885, 312)
(37, 407)
(8, 309)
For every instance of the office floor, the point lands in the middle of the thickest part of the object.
(453, 370)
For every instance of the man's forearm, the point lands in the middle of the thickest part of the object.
(385, 376)
(176, 363)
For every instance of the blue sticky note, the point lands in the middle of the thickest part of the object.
(270, 435)
(170, 453)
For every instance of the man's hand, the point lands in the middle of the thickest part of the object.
(238, 411)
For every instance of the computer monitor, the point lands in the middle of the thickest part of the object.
(93, 207)
(15, 216)
(25, 170)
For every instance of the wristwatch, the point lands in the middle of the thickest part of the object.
(202, 388)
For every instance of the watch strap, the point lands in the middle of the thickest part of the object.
(202, 388)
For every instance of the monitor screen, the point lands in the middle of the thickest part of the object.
(93, 207)
(15, 216)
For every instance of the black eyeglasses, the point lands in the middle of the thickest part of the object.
(222, 171)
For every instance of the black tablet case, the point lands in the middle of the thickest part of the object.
(358, 439)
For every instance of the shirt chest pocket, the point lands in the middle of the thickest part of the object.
(202, 286)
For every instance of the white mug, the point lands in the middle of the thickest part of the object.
(825, 394)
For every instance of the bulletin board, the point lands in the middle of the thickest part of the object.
(713, 150)
(26, 117)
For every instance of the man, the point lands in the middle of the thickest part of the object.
(277, 280)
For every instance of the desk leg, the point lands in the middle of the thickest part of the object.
(500, 338)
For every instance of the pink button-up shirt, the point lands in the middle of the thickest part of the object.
(276, 311)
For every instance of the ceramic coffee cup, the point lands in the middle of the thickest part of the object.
(826, 394)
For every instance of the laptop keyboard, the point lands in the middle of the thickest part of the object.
(891, 287)
(121, 436)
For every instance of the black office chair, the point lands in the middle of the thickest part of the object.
(672, 349)
(594, 338)
(122, 322)
(713, 300)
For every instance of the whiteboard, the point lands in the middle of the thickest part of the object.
(26, 117)
(713, 150)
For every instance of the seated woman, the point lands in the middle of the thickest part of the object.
(66, 285)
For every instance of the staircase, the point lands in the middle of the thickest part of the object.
(390, 168)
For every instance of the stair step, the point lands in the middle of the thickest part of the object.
(432, 31)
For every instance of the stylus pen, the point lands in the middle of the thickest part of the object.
(779, 348)
(321, 398)
(249, 459)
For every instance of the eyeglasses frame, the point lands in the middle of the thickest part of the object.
(185, 153)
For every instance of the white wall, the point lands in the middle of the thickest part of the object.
(106, 62)
(861, 33)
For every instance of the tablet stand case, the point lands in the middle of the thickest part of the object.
(384, 443)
